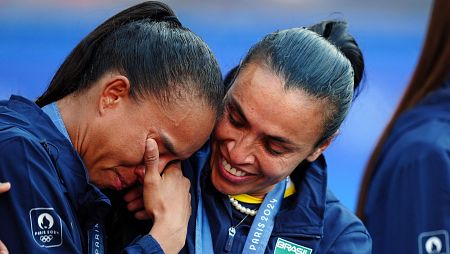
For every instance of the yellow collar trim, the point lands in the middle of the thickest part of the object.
(290, 189)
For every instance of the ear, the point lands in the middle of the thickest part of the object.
(115, 90)
(319, 150)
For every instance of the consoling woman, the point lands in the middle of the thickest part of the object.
(262, 184)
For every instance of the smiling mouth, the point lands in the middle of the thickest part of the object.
(233, 171)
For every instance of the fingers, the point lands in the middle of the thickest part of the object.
(173, 169)
(4, 187)
(135, 205)
(3, 249)
(142, 215)
(133, 194)
(140, 173)
(151, 161)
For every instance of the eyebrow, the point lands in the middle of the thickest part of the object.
(169, 145)
(237, 107)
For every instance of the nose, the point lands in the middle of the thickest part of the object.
(128, 175)
(241, 151)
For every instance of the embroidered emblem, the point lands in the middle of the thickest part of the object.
(46, 227)
(286, 247)
(435, 242)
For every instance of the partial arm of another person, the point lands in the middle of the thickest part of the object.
(4, 187)
(3, 249)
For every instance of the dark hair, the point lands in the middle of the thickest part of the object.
(431, 72)
(148, 45)
(322, 60)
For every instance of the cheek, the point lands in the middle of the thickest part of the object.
(276, 169)
(132, 150)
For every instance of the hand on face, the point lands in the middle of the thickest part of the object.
(166, 199)
(135, 202)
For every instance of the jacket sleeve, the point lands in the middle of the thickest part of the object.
(144, 244)
(33, 215)
(417, 208)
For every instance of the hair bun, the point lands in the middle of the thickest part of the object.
(335, 31)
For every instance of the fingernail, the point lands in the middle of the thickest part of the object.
(151, 144)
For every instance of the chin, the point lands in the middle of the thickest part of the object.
(219, 184)
(222, 186)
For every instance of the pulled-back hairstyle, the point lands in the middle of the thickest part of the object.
(323, 60)
(147, 44)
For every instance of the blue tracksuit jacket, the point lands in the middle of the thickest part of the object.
(312, 217)
(408, 201)
(51, 207)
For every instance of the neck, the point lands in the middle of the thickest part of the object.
(261, 194)
(73, 111)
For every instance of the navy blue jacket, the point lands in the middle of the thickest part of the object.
(408, 201)
(51, 207)
(312, 217)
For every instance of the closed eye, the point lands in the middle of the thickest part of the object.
(235, 122)
(235, 117)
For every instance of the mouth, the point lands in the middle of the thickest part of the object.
(231, 173)
(119, 183)
(231, 170)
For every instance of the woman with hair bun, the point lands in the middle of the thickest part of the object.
(262, 186)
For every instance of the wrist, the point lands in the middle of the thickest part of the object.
(171, 239)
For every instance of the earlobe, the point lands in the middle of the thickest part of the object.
(115, 90)
(314, 155)
(318, 151)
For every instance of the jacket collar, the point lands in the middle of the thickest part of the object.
(25, 114)
(300, 214)
(303, 213)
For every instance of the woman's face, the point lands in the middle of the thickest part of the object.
(114, 152)
(265, 132)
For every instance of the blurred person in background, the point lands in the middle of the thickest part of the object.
(405, 193)
(134, 97)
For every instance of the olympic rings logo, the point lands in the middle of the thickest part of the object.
(46, 238)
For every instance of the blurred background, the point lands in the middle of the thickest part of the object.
(36, 36)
